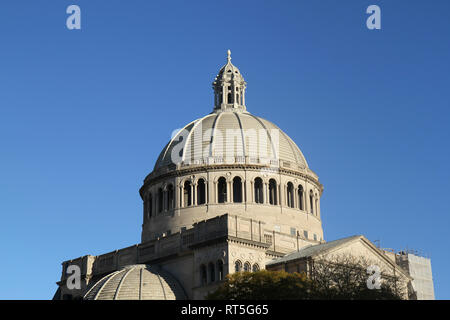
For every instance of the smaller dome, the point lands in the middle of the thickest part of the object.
(137, 282)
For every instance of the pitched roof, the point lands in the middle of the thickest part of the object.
(314, 250)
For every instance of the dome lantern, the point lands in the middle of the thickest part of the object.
(229, 88)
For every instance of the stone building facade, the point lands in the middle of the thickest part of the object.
(229, 192)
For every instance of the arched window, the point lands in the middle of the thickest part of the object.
(219, 270)
(247, 267)
(272, 192)
(290, 195)
(169, 199)
(160, 200)
(237, 189)
(300, 197)
(230, 97)
(212, 273)
(311, 201)
(222, 190)
(203, 275)
(255, 267)
(149, 206)
(230, 94)
(201, 192)
(238, 266)
(187, 190)
(145, 208)
(258, 190)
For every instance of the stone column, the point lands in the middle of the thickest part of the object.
(231, 191)
(265, 193)
(225, 94)
(279, 191)
(306, 200)
(176, 197)
(245, 190)
(181, 196)
(318, 207)
(295, 196)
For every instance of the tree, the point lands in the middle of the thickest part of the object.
(346, 277)
(263, 285)
(341, 278)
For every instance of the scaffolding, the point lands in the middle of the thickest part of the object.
(418, 265)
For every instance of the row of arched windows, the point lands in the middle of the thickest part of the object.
(165, 201)
(295, 197)
(211, 273)
(238, 97)
(313, 199)
(188, 192)
(247, 267)
(258, 193)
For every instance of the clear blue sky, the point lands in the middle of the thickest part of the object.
(84, 115)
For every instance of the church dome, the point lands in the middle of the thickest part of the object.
(232, 137)
(230, 134)
(137, 282)
(231, 162)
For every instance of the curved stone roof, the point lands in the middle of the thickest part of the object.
(137, 282)
(231, 137)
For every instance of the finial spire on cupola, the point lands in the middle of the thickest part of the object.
(229, 88)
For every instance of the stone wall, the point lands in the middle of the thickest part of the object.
(226, 238)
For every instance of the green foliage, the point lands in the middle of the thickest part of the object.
(343, 278)
(263, 285)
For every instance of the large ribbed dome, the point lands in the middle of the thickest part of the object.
(231, 162)
(232, 137)
(230, 134)
(137, 282)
